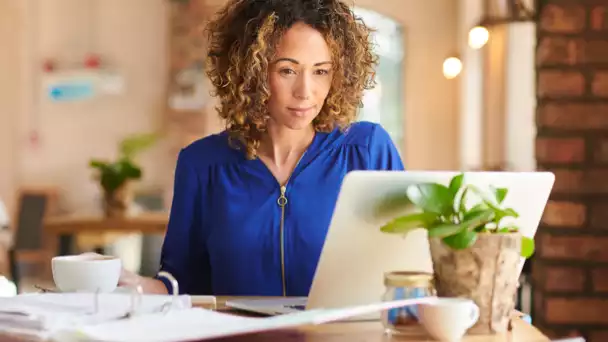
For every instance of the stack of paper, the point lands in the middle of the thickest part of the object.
(198, 324)
(78, 317)
(40, 316)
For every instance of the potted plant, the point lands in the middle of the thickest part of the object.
(115, 176)
(475, 255)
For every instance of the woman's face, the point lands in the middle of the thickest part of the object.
(300, 77)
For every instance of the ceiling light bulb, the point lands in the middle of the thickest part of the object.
(478, 37)
(452, 67)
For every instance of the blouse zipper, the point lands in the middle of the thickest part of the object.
(282, 201)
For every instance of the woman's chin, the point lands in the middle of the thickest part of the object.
(298, 125)
(292, 122)
(298, 122)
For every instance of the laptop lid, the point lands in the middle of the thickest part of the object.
(356, 254)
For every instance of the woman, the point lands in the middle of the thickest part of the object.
(252, 205)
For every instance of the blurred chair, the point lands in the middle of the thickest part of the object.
(28, 245)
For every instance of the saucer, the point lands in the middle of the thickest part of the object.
(119, 289)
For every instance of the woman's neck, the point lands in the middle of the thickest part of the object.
(282, 145)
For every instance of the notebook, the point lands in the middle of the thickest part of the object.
(40, 315)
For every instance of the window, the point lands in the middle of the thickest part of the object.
(384, 103)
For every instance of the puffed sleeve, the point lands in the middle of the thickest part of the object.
(383, 154)
(183, 254)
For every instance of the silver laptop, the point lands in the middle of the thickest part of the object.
(356, 254)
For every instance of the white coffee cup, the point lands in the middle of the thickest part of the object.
(86, 273)
(448, 319)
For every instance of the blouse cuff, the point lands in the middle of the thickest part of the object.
(170, 282)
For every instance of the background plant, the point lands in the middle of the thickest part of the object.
(114, 174)
(444, 213)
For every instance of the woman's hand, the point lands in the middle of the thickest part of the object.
(145, 284)
(127, 278)
(131, 279)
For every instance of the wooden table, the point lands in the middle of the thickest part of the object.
(65, 228)
(373, 332)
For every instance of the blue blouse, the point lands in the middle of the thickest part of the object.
(233, 230)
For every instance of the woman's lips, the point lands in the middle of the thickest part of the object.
(300, 111)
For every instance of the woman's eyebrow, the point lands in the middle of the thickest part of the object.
(291, 60)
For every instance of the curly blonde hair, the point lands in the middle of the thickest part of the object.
(242, 38)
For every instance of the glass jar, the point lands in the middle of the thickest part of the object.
(404, 285)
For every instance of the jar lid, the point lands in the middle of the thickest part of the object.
(404, 278)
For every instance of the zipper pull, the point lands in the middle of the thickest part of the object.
(282, 201)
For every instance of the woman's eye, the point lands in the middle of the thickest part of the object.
(322, 72)
(287, 72)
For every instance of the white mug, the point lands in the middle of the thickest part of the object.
(448, 319)
(86, 273)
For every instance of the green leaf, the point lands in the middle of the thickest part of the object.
(406, 223)
(135, 144)
(500, 194)
(484, 197)
(462, 201)
(479, 207)
(510, 212)
(479, 219)
(527, 247)
(474, 212)
(431, 197)
(129, 170)
(476, 219)
(462, 240)
(113, 175)
(444, 230)
(456, 184)
(98, 164)
(502, 213)
(493, 204)
(480, 229)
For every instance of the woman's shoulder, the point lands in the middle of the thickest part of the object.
(365, 133)
(382, 152)
(210, 150)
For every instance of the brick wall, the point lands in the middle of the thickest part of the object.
(571, 265)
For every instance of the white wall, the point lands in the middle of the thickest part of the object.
(471, 88)
(498, 100)
(521, 97)
(10, 84)
(131, 37)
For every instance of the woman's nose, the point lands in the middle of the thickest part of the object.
(304, 87)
